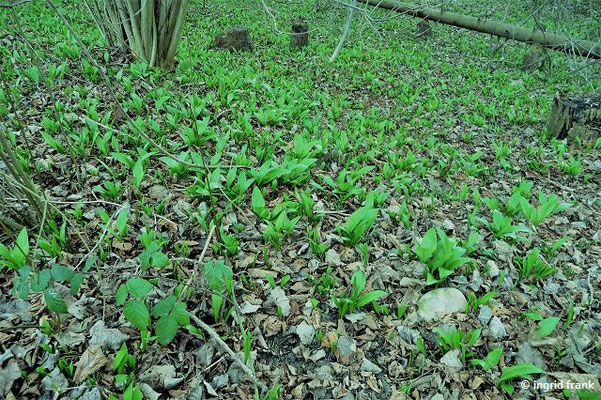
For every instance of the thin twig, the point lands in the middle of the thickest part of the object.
(227, 349)
(202, 256)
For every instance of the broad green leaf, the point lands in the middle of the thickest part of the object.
(55, 302)
(75, 282)
(547, 326)
(60, 273)
(137, 313)
(181, 314)
(427, 247)
(491, 360)
(166, 329)
(163, 307)
(523, 370)
(121, 295)
(216, 302)
(369, 297)
(139, 287)
(218, 274)
(39, 281)
(159, 260)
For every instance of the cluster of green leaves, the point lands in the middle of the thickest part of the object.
(220, 279)
(440, 254)
(457, 339)
(348, 301)
(533, 266)
(169, 313)
(43, 281)
(124, 364)
(358, 224)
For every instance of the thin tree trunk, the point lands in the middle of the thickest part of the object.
(584, 48)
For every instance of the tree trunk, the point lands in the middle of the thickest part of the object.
(585, 48)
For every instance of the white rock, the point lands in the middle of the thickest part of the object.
(333, 258)
(497, 328)
(451, 359)
(440, 302)
(368, 366)
(305, 332)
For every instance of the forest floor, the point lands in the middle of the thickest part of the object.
(318, 202)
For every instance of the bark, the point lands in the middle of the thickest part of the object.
(575, 116)
(585, 48)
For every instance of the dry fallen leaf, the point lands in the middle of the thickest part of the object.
(91, 361)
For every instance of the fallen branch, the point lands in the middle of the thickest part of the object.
(14, 4)
(584, 48)
(227, 349)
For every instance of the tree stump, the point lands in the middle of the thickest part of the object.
(577, 116)
(423, 29)
(536, 59)
(237, 38)
(299, 37)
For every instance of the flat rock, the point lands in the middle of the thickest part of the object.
(497, 328)
(485, 315)
(440, 302)
(451, 359)
(368, 366)
(305, 332)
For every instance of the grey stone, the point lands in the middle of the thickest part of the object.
(305, 332)
(346, 346)
(451, 359)
(440, 302)
(91, 394)
(332, 258)
(368, 366)
(485, 315)
(497, 328)
(528, 354)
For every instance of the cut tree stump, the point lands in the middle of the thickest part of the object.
(423, 29)
(237, 38)
(299, 36)
(575, 116)
(536, 58)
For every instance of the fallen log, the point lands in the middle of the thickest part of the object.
(584, 48)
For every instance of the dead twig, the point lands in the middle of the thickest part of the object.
(228, 350)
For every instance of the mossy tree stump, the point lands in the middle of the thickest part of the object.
(576, 116)
(299, 36)
(423, 29)
(237, 38)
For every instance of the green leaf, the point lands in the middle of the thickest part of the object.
(218, 274)
(137, 313)
(216, 302)
(76, 281)
(181, 314)
(39, 281)
(166, 329)
(369, 297)
(159, 260)
(139, 287)
(427, 247)
(60, 273)
(547, 326)
(491, 360)
(163, 307)
(55, 302)
(138, 172)
(523, 370)
(121, 295)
